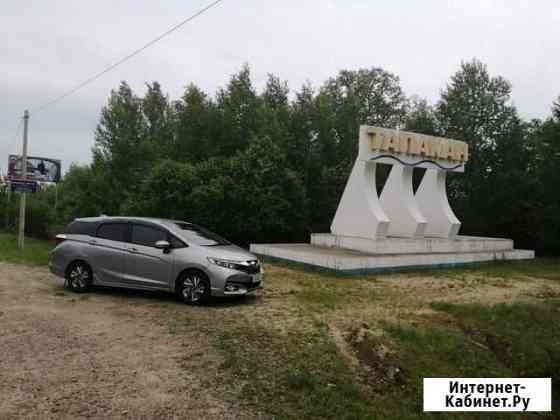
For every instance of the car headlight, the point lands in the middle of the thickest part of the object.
(232, 265)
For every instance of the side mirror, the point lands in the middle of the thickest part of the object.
(166, 246)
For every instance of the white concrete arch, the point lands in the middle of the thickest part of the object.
(432, 201)
(359, 212)
(397, 200)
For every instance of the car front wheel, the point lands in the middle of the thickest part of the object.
(194, 288)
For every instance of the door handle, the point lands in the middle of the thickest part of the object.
(92, 242)
(133, 249)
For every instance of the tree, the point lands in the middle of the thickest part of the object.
(476, 108)
(238, 106)
(546, 142)
(165, 192)
(250, 197)
(159, 121)
(86, 191)
(275, 114)
(556, 109)
(304, 133)
(197, 128)
(121, 148)
(366, 96)
(261, 167)
(329, 128)
(421, 117)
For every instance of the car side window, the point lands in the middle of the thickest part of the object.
(176, 242)
(113, 231)
(147, 235)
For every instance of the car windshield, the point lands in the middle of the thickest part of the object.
(200, 236)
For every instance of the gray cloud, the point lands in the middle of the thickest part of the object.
(48, 47)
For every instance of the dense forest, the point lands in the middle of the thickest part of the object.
(271, 166)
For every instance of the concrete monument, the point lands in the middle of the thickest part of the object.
(397, 228)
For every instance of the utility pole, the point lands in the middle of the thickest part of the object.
(9, 193)
(24, 175)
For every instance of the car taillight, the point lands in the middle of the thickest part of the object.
(60, 238)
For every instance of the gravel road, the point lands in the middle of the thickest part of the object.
(108, 354)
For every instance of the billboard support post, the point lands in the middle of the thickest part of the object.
(21, 234)
(9, 194)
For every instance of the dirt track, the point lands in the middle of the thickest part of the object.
(111, 353)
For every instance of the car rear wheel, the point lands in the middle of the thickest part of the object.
(194, 288)
(78, 277)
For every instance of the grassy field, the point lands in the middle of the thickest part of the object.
(359, 347)
(317, 346)
(35, 252)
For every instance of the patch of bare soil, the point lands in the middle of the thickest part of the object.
(369, 354)
(407, 297)
(106, 354)
(469, 288)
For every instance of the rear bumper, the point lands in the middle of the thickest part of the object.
(56, 269)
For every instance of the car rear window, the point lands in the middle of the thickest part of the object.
(79, 227)
(113, 231)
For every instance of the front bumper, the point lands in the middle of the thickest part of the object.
(242, 284)
(228, 283)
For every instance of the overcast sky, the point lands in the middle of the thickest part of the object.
(49, 46)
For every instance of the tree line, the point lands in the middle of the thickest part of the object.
(271, 166)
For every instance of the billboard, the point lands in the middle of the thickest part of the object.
(38, 168)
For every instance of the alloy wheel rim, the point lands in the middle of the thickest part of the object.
(193, 288)
(79, 277)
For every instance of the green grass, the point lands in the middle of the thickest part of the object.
(545, 268)
(292, 376)
(300, 375)
(517, 340)
(303, 375)
(35, 252)
(525, 338)
(417, 353)
(322, 292)
(321, 295)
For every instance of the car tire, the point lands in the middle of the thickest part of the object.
(193, 287)
(78, 277)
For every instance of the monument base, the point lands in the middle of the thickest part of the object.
(361, 255)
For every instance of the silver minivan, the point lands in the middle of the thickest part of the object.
(153, 254)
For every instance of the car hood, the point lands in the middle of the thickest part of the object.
(229, 252)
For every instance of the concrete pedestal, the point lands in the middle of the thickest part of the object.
(361, 255)
(393, 245)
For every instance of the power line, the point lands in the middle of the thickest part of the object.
(127, 57)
